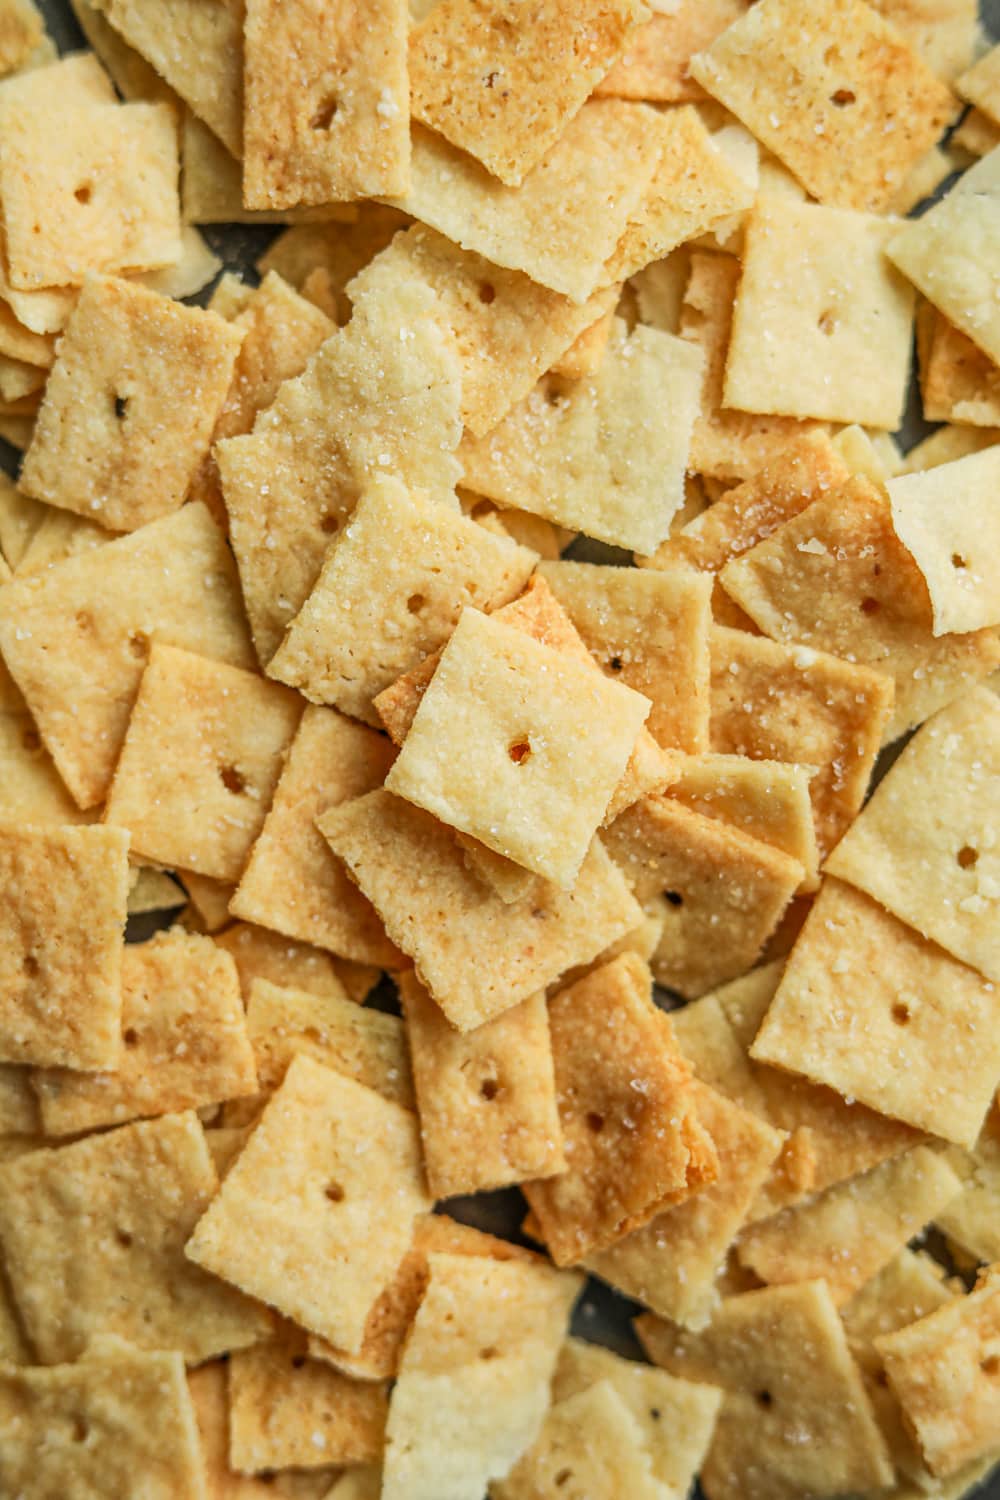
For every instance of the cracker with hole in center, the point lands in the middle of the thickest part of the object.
(130, 405)
(350, 1160)
(93, 1238)
(926, 846)
(906, 1029)
(200, 762)
(327, 102)
(486, 1098)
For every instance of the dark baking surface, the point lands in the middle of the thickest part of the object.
(603, 1316)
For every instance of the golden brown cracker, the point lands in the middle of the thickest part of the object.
(958, 382)
(261, 954)
(655, 62)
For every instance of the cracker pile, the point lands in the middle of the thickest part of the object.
(413, 809)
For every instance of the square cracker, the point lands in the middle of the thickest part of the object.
(93, 1237)
(260, 954)
(633, 1140)
(800, 339)
(676, 1417)
(501, 80)
(817, 81)
(292, 882)
(670, 1265)
(950, 254)
(200, 762)
(184, 1035)
(130, 405)
(508, 330)
(288, 1411)
(368, 404)
(726, 444)
(392, 588)
(950, 523)
(926, 846)
(946, 33)
(473, 1381)
(31, 790)
(905, 1029)
(487, 1099)
(62, 922)
(599, 456)
(837, 578)
(943, 1369)
(650, 631)
(100, 178)
(602, 164)
(447, 920)
(795, 1417)
(519, 746)
(972, 1220)
(958, 382)
(590, 1445)
(654, 64)
(327, 102)
(852, 1231)
(197, 47)
(725, 890)
(76, 636)
(361, 1043)
(780, 703)
(350, 1160)
(119, 1422)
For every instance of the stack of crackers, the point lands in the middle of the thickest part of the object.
(474, 865)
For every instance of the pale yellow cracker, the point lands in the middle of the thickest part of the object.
(767, 799)
(197, 266)
(200, 762)
(502, 81)
(19, 380)
(361, 1043)
(446, 919)
(675, 1417)
(350, 1160)
(602, 164)
(30, 788)
(977, 135)
(93, 1236)
(670, 1265)
(905, 1029)
(519, 746)
(950, 254)
(972, 1220)
(260, 954)
(184, 1041)
(289, 1411)
(584, 355)
(370, 403)
(980, 84)
(197, 47)
(209, 908)
(795, 1417)
(949, 522)
(946, 33)
(654, 64)
(487, 1099)
(816, 81)
(959, 383)
(778, 703)
(925, 177)
(725, 890)
(945, 445)
(851, 1232)
(119, 1422)
(62, 923)
(925, 846)
(816, 292)
(21, 31)
(327, 101)
(152, 890)
(292, 883)
(131, 74)
(633, 1140)
(390, 592)
(333, 252)
(20, 518)
(101, 177)
(212, 183)
(473, 1381)
(130, 405)
(837, 578)
(725, 444)
(589, 1448)
(508, 330)
(601, 456)
(649, 631)
(60, 536)
(76, 637)
(943, 1369)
